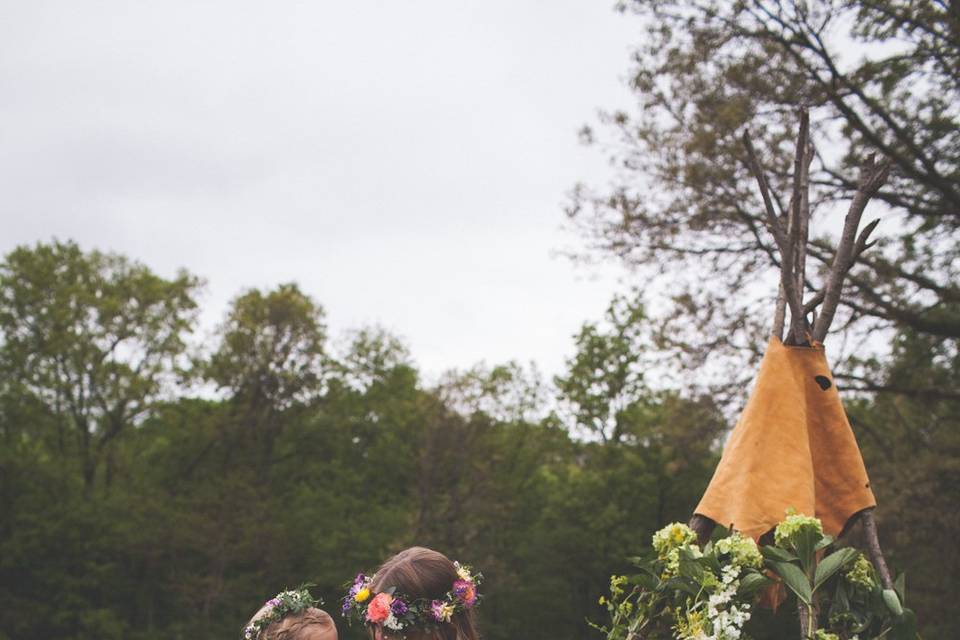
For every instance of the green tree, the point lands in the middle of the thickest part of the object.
(604, 376)
(93, 337)
(371, 355)
(910, 440)
(270, 359)
(506, 392)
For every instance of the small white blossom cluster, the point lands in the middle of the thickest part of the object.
(392, 623)
(727, 620)
(724, 619)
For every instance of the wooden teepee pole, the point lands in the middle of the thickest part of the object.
(873, 547)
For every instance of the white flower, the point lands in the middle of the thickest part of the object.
(392, 623)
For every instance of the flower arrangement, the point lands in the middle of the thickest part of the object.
(685, 592)
(281, 605)
(397, 613)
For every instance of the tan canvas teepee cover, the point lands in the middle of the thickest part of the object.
(792, 447)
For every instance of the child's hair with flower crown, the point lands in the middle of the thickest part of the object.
(420, 578)
(290, 615)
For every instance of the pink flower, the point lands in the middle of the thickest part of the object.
(379, 609)
(466, 592)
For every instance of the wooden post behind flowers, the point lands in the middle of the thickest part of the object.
(804, 312)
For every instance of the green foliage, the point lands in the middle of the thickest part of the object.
(683, 592)
(688, 593)
(308, 463)
(271, 349)
(90, 339)
(911, 444)
(315, 462)
(604, 376)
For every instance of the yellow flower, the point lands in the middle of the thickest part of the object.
(602, 600)
(362, 595)
(445, 612)
(463, 572)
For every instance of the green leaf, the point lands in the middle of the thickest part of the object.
(900, 586)
(807, 541)
(645, 581)
(711, 562)
(795, 579)
(892, 601)
(689, 567)
(905, 627)
(751, 583)
(824, 543)
(777, 554)
(840, 602)
(831, 564)
(683, 584)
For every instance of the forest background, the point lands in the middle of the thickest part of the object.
(153, 487)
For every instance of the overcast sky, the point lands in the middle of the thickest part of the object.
(405, 162)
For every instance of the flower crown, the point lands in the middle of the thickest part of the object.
(398, 613)
(281, 605)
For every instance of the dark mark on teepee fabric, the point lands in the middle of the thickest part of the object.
(823, 381)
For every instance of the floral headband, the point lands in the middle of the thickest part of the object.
(281, 605)
(398, 613)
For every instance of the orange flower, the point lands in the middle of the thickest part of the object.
(379, 609)
(466, 592)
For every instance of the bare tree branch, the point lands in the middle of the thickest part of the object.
(873, 176)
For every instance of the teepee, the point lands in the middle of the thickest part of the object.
(793, 446)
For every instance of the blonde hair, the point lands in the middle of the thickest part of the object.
(418, 573)
(309, 624)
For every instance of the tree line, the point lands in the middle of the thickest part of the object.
(151, 488)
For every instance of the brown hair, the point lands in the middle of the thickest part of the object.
(309, 624)
(418, 573)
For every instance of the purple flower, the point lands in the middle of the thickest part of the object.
(347, 605)
(272, 602)
(398, 607)
(358, 583)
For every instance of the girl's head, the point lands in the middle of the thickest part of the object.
(421, 573)
(301, 623)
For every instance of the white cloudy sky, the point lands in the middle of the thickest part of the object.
(405, 162)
